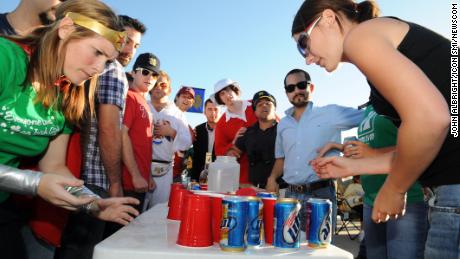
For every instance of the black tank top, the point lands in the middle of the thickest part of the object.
(431, 53)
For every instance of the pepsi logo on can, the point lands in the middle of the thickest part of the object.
(255, 232)
(319, 222)
(287, 224)
(233, 224)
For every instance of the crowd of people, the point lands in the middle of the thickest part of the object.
(66, 97)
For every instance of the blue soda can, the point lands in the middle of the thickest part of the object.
(319, 222)
(266, 195)
(287, 224)
(255, 232)
(233, 224)
(194, 186)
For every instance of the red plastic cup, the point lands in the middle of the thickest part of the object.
(216, 211)
(177, 204)
(246, 192)
(216, 215)
(269, 208)
(174, 188)
(195, 227)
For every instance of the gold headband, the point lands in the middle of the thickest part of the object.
(116, 37)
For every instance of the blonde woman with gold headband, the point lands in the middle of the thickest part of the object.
(41, 95)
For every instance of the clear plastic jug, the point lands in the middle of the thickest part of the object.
(224, 174)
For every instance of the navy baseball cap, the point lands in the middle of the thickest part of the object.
(262, 95)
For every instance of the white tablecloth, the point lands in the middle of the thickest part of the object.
(152, 236)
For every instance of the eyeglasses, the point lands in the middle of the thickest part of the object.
(300, 85)
(304, 38)
(146, 72)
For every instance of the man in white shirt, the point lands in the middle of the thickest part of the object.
(170, 134)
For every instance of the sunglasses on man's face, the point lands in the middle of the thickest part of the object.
(300, 85)
(146, 72)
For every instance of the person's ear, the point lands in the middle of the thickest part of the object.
(312, 87)
(65, 28)
(329, 16)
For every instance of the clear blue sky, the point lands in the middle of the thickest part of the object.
(202, 41)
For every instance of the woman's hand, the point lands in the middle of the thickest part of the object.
(388, 204)
(51, 189)
(357, 149)
(116, 209)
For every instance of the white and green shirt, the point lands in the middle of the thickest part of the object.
(26, 127)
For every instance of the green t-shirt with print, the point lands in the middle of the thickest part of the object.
(25, 127)
(379, 132)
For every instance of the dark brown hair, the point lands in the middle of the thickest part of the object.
(127, 21)
(207, 101)
(232, 87)
(311, 9)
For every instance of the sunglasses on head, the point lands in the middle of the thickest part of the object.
(302, 42)
(146, 72)
(300, 85)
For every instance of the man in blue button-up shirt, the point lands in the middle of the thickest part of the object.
(301, 132)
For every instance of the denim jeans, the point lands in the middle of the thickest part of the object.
(327, 192)
(36, 248)
(401, 238)
(444, 233)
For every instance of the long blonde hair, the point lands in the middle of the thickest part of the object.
(47, 61)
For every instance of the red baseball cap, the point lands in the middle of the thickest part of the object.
(186, 90)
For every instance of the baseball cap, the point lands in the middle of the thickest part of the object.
(186, 90)
(262, 95)
(147, 61)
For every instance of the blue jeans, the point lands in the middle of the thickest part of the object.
(327, 192)
(36, 248)
(401, 238)
(444, 233)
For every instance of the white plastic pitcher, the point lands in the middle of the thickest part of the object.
(224, 174)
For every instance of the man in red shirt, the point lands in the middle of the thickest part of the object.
(137, 129)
